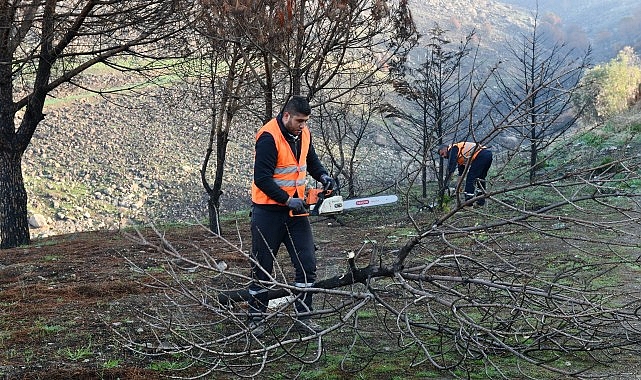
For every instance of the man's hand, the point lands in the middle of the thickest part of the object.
(296, 205)
(328, 182)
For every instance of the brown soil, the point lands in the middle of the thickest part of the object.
(62, 298)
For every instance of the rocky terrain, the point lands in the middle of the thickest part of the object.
(130, 158)
(103, 162)
(612, 24)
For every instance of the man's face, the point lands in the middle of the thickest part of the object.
(443, 153)
(295, 123)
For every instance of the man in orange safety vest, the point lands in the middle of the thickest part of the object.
(284, 155)
(479, 159)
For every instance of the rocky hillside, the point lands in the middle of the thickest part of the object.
(494, 22)
(104, 162)
(100, 162)
(604, 25)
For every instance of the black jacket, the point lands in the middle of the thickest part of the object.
(265, 163)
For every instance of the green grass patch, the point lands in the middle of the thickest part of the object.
(66, 193)
(111, 363)
(76, 354)
(4, 337)
(49, 329)
(593, 139)
(162, 76)
(366, 314)
(44, 243)
(631, 184)
(393, 366)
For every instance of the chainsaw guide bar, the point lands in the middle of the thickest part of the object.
(321, 202)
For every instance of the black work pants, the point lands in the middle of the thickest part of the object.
(476, 175)
(270, 229)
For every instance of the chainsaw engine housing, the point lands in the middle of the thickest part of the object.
(330, 205)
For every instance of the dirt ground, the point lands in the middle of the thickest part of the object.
(62, 297)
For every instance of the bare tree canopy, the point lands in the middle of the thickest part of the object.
(305, 47)
(257, 53)
(47, 44)
(438, 106)
(537, 91)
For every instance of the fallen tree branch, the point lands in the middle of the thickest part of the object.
(354, 276)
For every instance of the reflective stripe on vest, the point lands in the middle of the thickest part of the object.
(465, 149)
(289, 174)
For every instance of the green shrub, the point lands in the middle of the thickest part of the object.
(609, 88)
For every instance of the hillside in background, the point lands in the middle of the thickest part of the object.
(104, 162)
(604, 25)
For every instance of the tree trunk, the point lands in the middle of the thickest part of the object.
(14, 224)
(213, 207)
(213, 202)
(534, 149)
(222, 138)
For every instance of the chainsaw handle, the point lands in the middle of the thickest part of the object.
(293, 214)
(318, 199)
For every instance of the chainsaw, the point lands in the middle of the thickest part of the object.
(328, 202)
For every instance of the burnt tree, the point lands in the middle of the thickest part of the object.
(47, 44)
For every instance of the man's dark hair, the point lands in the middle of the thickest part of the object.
(442, 146)
(298, 105)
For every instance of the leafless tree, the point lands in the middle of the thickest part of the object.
(48, 44)
(437, 90)
(306, 46)
(219, 82)
(537, 87)
(344, 127)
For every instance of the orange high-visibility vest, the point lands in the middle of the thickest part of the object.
(465, 150)
(289, 173)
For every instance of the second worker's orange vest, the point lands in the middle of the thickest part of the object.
(465, 150)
